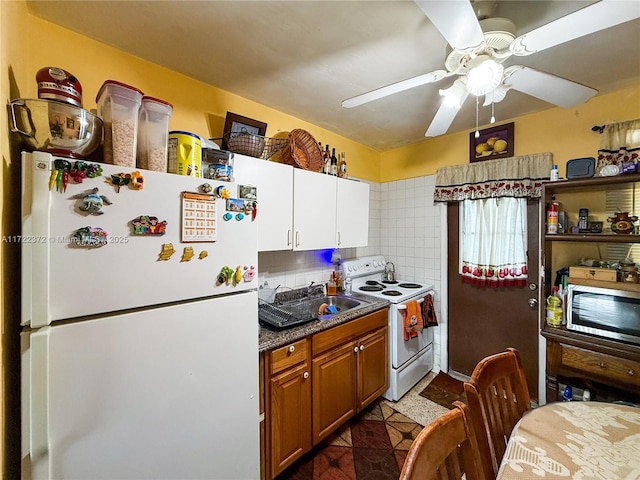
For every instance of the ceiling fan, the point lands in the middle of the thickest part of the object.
(479, 44)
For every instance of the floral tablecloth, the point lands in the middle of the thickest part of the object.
(577, 440)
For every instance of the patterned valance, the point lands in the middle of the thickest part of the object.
(519, 177)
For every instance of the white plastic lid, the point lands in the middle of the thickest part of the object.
(156, 105)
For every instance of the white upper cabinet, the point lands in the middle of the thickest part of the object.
(352, 214)
(274, 188)
(314, 210)
(303, 210)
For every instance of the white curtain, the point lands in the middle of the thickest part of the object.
(493, 242)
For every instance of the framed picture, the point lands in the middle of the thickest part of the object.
(493, 143)
(235, 123)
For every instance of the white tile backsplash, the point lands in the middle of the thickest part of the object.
(404, 225)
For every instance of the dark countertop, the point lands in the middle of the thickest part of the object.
(271, 337)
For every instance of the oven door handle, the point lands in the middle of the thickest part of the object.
(404, 307)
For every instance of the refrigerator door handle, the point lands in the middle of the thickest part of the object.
(35, 404)
(37, 239)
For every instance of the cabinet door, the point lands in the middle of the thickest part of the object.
(274, 184)
(334, 389)
(352, 215)
(314, 199)
(290, 419)
(373, 367)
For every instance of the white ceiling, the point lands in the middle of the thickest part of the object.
(304, 57)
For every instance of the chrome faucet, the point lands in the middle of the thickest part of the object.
(313, 287)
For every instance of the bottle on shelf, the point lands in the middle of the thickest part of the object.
(334, 163)
(332, 288)
(342, 166)
(554, 173)
(326, 159)
(554, 309)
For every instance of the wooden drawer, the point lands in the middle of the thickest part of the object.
(593, 273)
(289, 355)
(603, 365)
(346, 332)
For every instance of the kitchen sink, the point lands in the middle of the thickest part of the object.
(306, 309)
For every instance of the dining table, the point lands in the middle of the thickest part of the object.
(576, 440)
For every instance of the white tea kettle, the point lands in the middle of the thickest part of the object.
(389, 274)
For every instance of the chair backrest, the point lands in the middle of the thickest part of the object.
(445, 449)
(498, 396)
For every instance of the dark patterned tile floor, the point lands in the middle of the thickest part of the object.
(372, 446)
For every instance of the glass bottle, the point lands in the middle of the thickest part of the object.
(334, 163)
(326, 161)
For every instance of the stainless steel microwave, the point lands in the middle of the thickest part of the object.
(607, 312)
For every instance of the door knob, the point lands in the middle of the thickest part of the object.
(533, 302)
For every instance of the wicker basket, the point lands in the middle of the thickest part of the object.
(253, 145)
(303, 151)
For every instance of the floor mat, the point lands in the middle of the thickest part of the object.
(373, 445)
(444, 390)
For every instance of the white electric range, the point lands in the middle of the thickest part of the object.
(410, 360)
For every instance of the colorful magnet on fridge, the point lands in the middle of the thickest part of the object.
(222, 192)
(89, 237)
(225, 276)
(203, 254)
(206, 188)
(167, 251)
(237, 276)
(239, 216)
(81, 170)
(135, 180)
(249, 273)
(60, 175)
(227, 216)
(148, 225)
(187, 254)
(92, 202)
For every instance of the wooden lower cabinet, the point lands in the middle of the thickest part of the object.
(585, 360)
(314, 385)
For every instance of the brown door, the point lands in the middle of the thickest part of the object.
(483, 321)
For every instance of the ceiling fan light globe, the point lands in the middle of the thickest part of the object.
(484, 77)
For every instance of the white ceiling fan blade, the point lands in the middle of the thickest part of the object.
(397, 87)
(547, 87)
(443, 118)
(456, 21)
(595, 17)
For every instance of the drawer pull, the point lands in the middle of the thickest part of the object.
(355, 349)
(361, 347)
(631, 372)
(305, 375)
(292, 348)
(602, 365)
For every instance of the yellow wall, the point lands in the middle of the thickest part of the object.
(564, 132)
(198, 107)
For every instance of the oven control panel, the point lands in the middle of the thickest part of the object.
(359, 267)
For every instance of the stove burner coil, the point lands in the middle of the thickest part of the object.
(392, 293)
(390, 282)
(371, 288)
(373, 282)
(410, 285)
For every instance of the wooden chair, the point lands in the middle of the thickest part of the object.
(498, 396)
(446, 449)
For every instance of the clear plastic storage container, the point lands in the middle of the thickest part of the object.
(118, 106)
(153, 133)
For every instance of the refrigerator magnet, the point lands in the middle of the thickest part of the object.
(92, 203)
(222, 192)
(167, 251)
(187, 254)
(81, 170)
(198, 218)
(89, 237)
(148, 225)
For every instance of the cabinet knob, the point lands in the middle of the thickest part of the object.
(602, 365)
(355, 349)
(361, 347)
(305, 375)
(631, 372)
(292, 348)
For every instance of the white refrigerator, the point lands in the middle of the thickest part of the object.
(139, 354)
